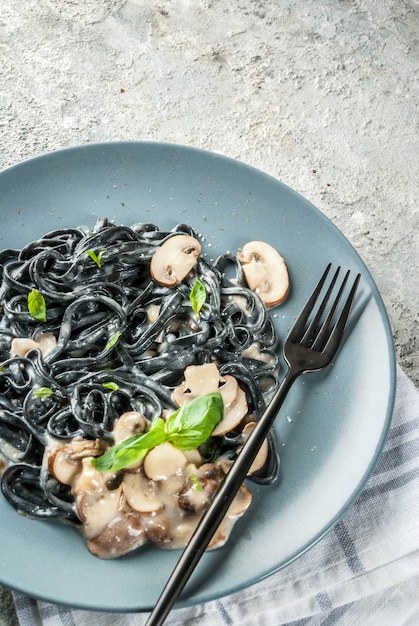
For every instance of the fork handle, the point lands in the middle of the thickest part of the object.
(219, 505)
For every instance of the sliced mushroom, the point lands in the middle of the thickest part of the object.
(20, 346)
(120, 536)
(65, 462)
(234, 411)
(129, 424)
(203, 379)
(240, 503)
(158, 530)
(90, 481)
(260, 459)
(220, 537)
(197, 492)
(192, 499)
(193, 457)
(198, 381)
(153, 312)
(212, 471)
(228, 389)
(174, 259)
(63, 468)
(255, 352)
(262, 456)
(237, 508)
(3, 464)
(141, 494)
(45, 342)
(226, 464)
(265, 272)
(164, 461)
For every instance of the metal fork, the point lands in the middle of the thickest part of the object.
(311, 345)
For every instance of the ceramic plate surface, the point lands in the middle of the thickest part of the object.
(332, 426)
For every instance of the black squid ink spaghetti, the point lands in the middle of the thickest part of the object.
(132, 370)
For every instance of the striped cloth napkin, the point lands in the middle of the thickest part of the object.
(365, 571)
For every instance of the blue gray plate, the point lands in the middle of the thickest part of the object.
(330, 430)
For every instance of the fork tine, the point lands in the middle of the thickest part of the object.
(324, 332)
(297, 331)
(337, 332)
(312, 330)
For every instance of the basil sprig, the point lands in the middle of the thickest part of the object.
(111, 386)
(197, 296)
(113, 340)
(43, 392)
(187, 428)
(96, 258)
(36, 305)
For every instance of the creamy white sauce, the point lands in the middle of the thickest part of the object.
(164, 511)
(3, 464)
(254, 352)
(9, 453)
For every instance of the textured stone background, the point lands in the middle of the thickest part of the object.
(321, 95)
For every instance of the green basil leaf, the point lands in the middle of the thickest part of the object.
(198, 296)
(111, 386)
(43, 392)
(96, 258)
(188, 440)
(113, 340)
(36, 305)
(186, 429)
(195, 482)
(192, 424)
(131, 450)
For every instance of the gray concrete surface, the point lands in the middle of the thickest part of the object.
(322, 95)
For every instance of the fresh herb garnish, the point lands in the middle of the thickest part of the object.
(196, 483)
(36, 305)
(111, 386)
(186, 429)
(96, 258)
(197, 296)
(131, 450)
(43, 392)
(113, 340)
